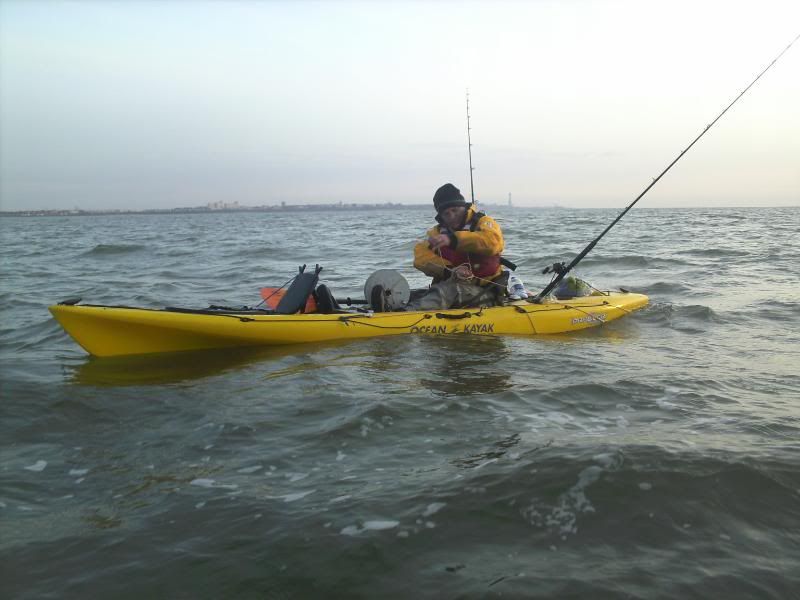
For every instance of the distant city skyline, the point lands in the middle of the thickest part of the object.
(212, 207)
(159, 105)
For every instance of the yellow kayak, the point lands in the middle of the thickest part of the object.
(117, 331)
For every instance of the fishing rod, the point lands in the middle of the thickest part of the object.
(561, 270)
(469, 147)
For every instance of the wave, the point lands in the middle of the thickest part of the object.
(259, 252)
(583, 396)
(698, 312)
(681, 318)
(773, 310)
(713, 252)
(666, 287)
(27, 332)
(176, 252)
(791, 308)
(101, 250)
(636, 477)
(176, 274)
(631, 260)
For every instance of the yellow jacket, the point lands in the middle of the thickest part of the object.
(485, 241)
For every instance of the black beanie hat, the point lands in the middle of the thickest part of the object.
(446, 196)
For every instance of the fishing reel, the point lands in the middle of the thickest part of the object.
(557, 268)
(387, 290)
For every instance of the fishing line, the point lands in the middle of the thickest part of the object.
(275, 292)
(472, 276)
(561, 270)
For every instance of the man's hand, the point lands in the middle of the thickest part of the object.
(438, 241)
(462, 272)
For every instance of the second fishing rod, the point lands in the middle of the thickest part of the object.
(561, 269)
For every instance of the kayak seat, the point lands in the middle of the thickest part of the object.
(296, 296)
(326, 303)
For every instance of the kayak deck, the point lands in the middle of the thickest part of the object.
(117, 331)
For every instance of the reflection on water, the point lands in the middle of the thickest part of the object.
(459, 364)
(466, 365)
(175, 367)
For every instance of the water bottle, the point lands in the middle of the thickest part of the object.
(516, 289)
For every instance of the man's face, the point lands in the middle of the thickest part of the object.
(453, 216)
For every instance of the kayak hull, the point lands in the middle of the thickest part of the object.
(118, 331)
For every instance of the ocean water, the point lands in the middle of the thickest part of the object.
(657, 456)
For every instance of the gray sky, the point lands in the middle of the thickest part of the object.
(157, 104)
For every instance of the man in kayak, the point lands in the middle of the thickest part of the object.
(462, 254)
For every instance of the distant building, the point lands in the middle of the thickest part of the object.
(224, 205)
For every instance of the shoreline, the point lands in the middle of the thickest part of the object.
(331, 208)
(242, 209)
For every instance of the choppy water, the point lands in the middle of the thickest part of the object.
(655, 457)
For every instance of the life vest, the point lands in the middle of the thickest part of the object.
(482, 266)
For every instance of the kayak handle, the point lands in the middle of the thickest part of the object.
(465, 315)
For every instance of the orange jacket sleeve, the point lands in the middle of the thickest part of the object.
(428, 261)
(486, 240)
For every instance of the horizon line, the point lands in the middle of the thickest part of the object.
(77, 211)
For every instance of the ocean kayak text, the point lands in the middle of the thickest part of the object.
(438, 329)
